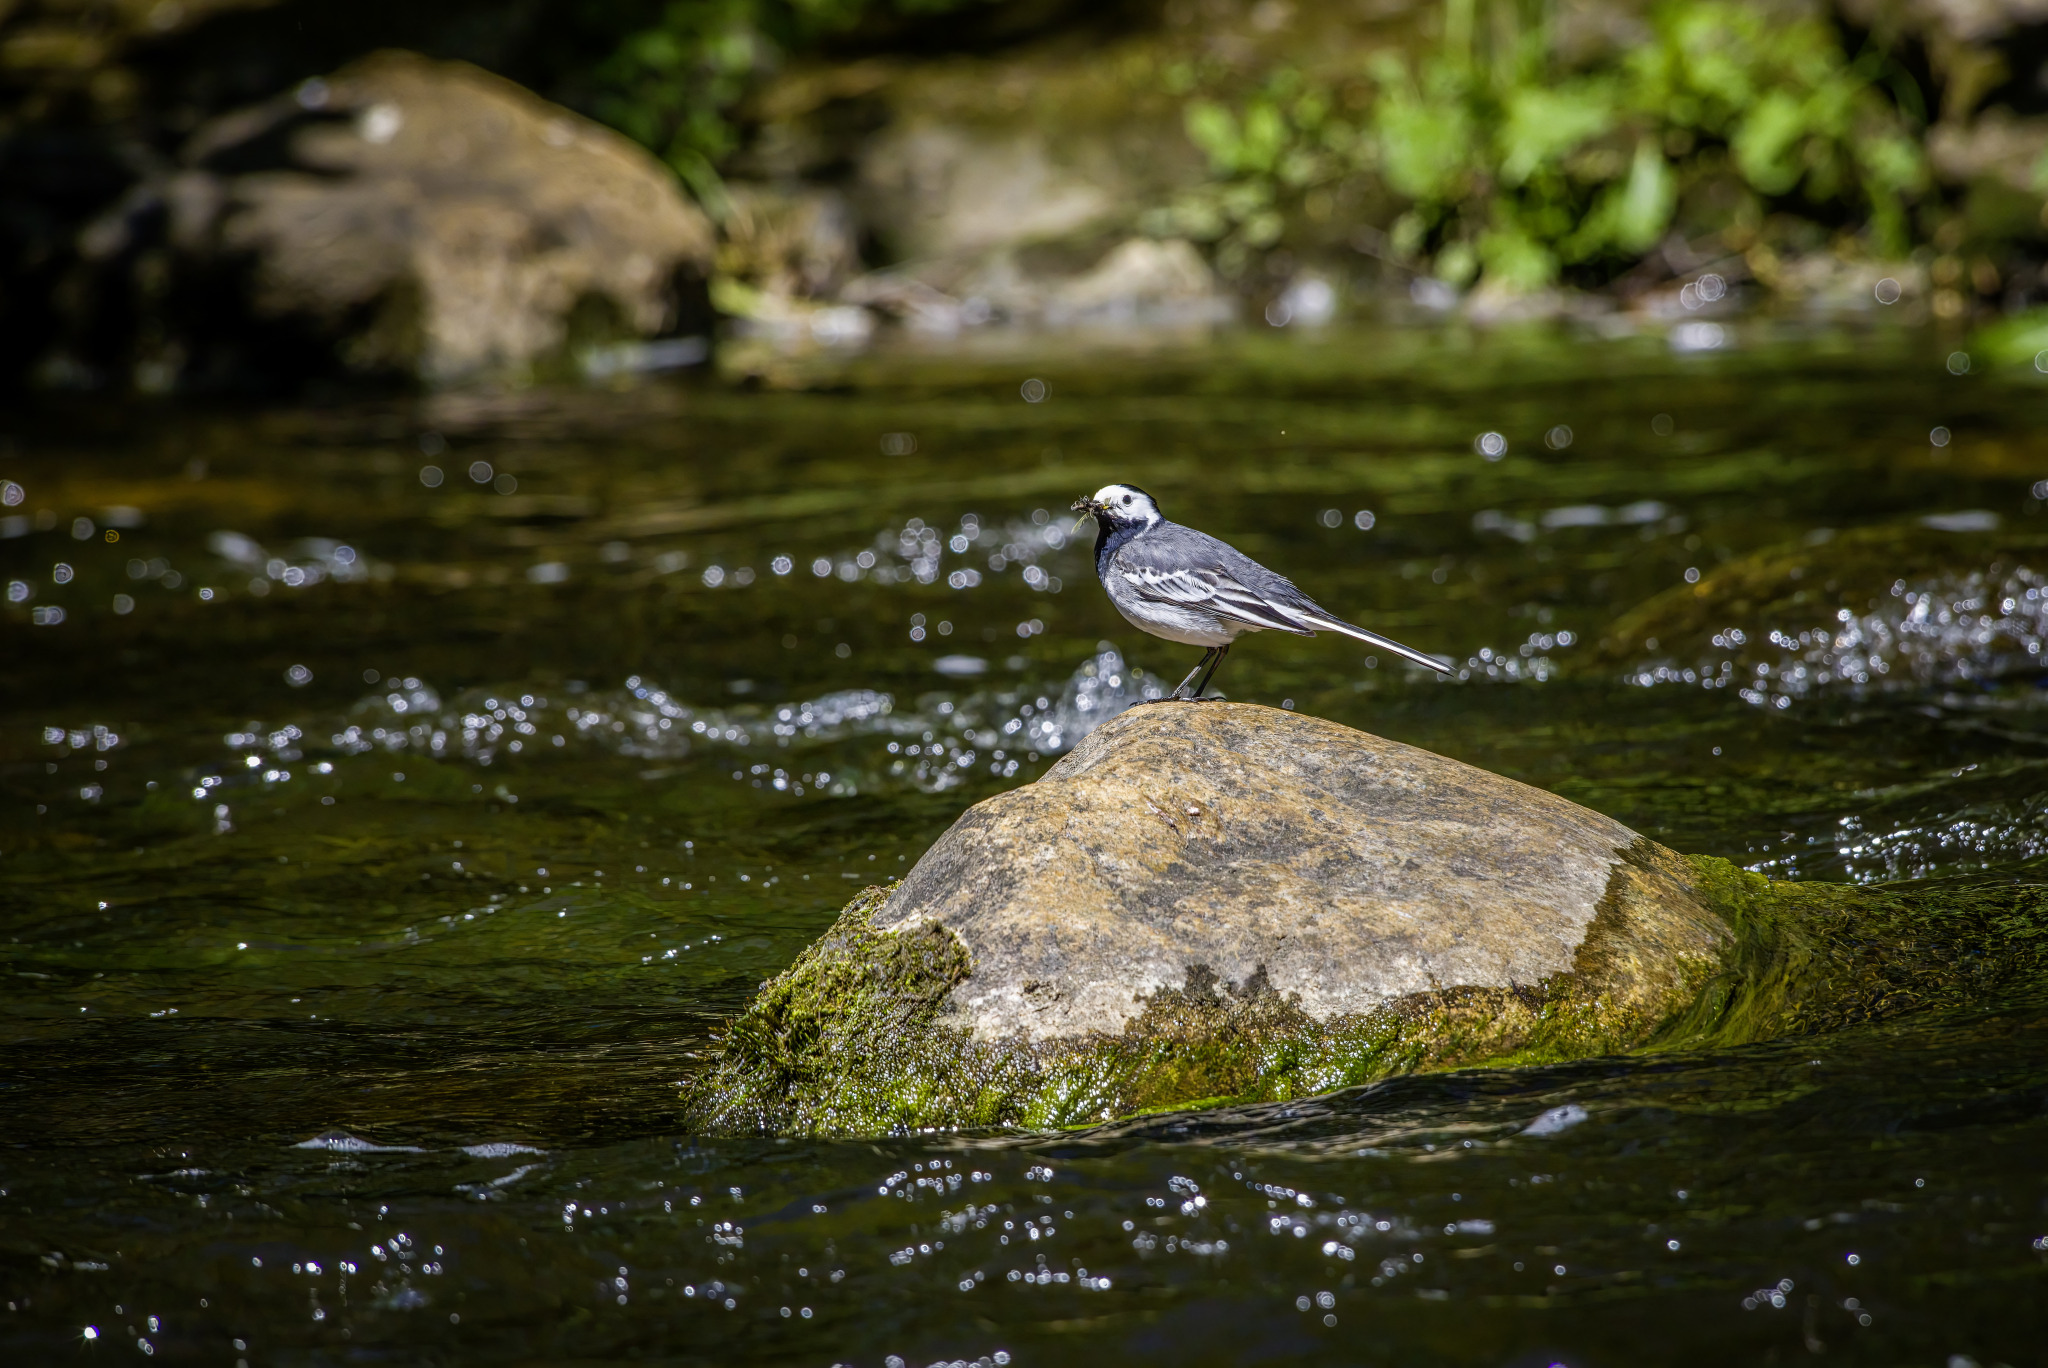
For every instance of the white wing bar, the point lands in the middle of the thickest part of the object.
(1218, 593)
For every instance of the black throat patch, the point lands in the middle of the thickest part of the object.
(1110, 537)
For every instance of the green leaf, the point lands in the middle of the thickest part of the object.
(1767, 141)
(2018, 338)
(1543, 125)
(1457, 263)
(1424, 147)
(1631, 216)
(1300, 166)
(1646, 202)
(1407, 235)
(1892, 162)
(1265, 136)
(1262, 230)
(1515, 260)
(1213, 129)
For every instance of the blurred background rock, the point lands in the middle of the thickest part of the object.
(206, 195)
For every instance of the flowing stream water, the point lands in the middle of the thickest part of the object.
(396, 795)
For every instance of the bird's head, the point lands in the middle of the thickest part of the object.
(1121, 505)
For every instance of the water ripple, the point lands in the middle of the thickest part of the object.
(1868, 850)
(939, 742)
(1953, 631)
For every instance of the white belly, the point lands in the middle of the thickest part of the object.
(1173, 622)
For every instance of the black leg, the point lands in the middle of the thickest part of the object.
(1181, 691)
(1219, 652)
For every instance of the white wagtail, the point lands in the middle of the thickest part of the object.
(1186, 586)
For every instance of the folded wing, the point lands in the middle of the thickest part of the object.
(1189, 569)
(1214, 590)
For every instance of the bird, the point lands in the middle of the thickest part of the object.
(1187, 586)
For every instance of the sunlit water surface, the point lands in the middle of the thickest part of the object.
(394, 797)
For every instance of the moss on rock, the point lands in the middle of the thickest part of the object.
(1812, 957)
(844, 1038)
(855, 1038)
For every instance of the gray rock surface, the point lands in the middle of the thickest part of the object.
(950, 190)
(1139, 283)
(437, 219)
(1271, 850)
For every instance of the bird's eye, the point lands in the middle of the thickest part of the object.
(1127, 498)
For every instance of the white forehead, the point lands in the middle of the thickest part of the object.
(1117, 493)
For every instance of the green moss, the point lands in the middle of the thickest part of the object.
(844, 1039)
(854, 1037)
(1810, 957)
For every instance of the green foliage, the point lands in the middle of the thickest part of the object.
(669, 86)
(1514, 168)
(1505, 163)
(674, 84)
(2014, 340)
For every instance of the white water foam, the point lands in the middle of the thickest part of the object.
(1952, 631)
(937, 742)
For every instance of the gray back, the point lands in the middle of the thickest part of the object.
(1170, 546)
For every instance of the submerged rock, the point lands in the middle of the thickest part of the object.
(1225, 903)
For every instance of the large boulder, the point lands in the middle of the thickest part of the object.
(427, 218)
(1218, 902)
(1341, 871)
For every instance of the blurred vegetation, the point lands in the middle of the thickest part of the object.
(1511, 144)
(1515, 169)
(673, 85)
(2019, 338)
(1488, 154)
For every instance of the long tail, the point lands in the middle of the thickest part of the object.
(1375, 639)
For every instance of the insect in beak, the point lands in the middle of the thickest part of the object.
(1087, 508)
